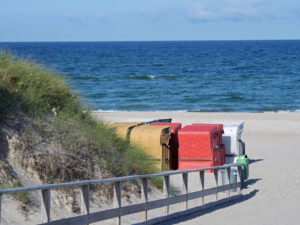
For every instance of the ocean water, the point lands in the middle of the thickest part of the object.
(222, 76)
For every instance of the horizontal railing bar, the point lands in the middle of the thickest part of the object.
(107, 180)
(136, 208)
(210, 191)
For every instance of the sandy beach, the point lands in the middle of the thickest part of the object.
(272, 142)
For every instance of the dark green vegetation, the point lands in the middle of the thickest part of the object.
(81, 148)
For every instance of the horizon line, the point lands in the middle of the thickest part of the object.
(155, 40)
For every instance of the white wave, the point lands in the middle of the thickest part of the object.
(100, 110)
(284, 111)
(111, 111)
(141, 77)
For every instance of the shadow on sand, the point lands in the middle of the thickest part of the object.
(250, 182)
(212, 209)
(254, 160)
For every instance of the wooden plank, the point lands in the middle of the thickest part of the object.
(185, 190)
(106, 180)
(85, 196)
(202, 185)
(166, 192)
(117, 200)
(217, 182)
(45, 205)
(144, 193)
(228, 176)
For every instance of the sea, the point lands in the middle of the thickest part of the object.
(200, 76)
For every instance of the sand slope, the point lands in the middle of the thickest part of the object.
(273, 144)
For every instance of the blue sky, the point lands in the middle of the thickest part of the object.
(131, 20)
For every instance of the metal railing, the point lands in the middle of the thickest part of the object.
(118, 211)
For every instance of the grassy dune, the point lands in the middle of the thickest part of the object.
(57, 115)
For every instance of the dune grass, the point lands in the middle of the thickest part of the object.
(42, 95)
(23, 197)
(37, 90)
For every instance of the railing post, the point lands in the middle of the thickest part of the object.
(202, 185)
(0, 206)
(241, 175)
(166, 192)
(45, 205)
(217, 183)
(144, 193)
(85, 196)
(117, 199)
(185, 190)
(228, 175)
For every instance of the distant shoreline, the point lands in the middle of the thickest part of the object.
(187, 111)
(149, 41)
(194, 117)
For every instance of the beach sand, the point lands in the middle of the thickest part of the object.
(272, 140)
